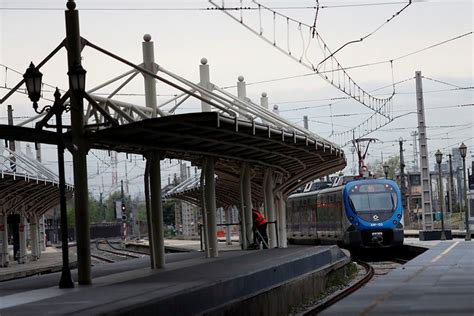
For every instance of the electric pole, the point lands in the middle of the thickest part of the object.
(424, 162)
(415, 151)
(403, 185)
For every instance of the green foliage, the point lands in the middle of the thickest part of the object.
(141, 211)
(393, 167)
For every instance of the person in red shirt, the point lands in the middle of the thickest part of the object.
(260, 226)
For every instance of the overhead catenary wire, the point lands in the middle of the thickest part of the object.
(361, 65)
(234, 8)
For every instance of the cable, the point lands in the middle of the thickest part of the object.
(435, 45)
(199, 9)
(439, 81)
(360, 5)
(369, 34)
(361, 65)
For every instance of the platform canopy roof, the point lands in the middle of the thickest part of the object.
(294, 157)
(26, 186)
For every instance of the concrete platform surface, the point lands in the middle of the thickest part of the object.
(185, 287)
(438, 282)
(50, 261)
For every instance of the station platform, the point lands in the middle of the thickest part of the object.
(189, 284)
(455, 233)
(50, 261)
(438, 282)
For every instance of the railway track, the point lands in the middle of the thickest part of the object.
(337, 296)
(102, 259)
(374, 267)
(111, 245)
(116, 251)
(105, 252)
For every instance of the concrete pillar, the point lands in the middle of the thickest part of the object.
(270, 206)
(281, 210)
(264, 104)
(148, 210)
(228, 220)
(38, 151)
(149, 64)
(42, 235)
(157, 212)
(34, 238)
(22, 232)
(305, 121)
(3, 241)
(205, 82)
(242, 91)
(247, 203)
(204, 231)
(210, 193)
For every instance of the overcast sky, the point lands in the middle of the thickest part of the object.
(183, 34)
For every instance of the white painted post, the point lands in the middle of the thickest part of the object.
(22, 233)
(281, 207)
(210, 192)
(204, 76)
(156, 234)
(38, 151)
(305, 121)
(149, 64)
(264, 103)
(42, 235)
(3, 241)
(158, 243)
(270, 206)
(228, 220)
(276, 110)
(34, 238)
(247, 200)
(242, 91)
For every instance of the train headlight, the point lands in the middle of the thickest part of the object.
(356, 223)
(351, 218)
(399, 216)
(395, 222)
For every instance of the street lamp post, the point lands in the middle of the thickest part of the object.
(385, 170)
(463, 152)
(33, 84)
(439, 158)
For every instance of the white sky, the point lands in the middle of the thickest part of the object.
(183, 37)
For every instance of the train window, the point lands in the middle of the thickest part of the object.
(372, 197)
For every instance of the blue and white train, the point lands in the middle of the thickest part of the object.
(358, 214)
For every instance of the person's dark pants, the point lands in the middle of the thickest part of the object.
(262, 229)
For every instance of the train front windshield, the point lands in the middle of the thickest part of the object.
(366, 198)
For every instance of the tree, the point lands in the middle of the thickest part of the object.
(393, 167)
(95, 214)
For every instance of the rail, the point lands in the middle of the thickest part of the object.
(339, 296)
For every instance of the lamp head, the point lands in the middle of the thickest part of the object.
(439, 157)
(463, 150)
(77, 78)
(33, 78)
